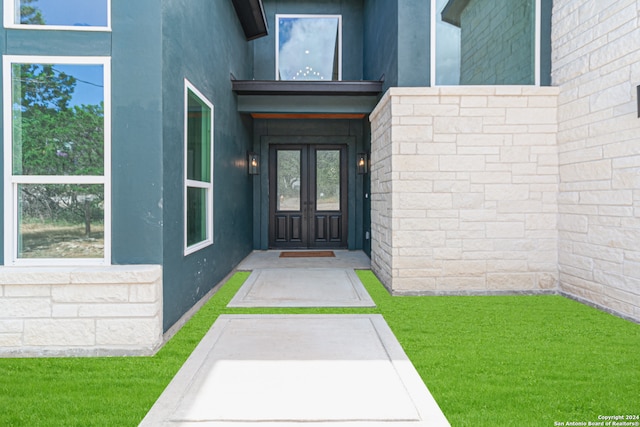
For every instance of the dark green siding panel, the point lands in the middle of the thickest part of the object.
(545, 42)
(203, 42)
(137, 132)
(352, 34)
(381, 41)
(3, 44)
(366, 194)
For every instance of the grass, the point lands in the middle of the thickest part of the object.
(488, 361)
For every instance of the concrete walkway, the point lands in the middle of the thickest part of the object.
(298, 370)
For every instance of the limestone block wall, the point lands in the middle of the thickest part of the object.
(596, 64)
(381, 186)
(464, 186)
(80, 311)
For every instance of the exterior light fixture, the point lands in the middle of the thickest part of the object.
(362, 164)
(253, 161)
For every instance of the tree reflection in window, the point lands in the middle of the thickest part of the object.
(58, 163)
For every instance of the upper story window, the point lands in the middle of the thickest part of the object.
(308, 47)
(485, 43)
(84, 15)
(57, 160)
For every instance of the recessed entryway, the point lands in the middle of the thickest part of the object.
(307, 196)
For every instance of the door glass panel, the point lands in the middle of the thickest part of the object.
(288, 176)
(328, 180)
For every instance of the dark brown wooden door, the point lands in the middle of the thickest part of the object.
(307, 196)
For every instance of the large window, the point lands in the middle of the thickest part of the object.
(493, 42)
(86, 15)
(198, 130)
(308, 47)
(57, 160)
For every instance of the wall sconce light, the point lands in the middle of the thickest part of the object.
(254, 163)
(362, 164)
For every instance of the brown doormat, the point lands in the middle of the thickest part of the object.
(307, 254)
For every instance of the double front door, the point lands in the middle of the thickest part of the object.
(307, 196)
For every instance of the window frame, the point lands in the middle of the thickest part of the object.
(10, 18)
(12, 181)
(286, 15)
(537, 41)
(189, 183)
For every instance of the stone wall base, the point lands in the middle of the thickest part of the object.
(584, 301)
(80, 311)
(601, 307)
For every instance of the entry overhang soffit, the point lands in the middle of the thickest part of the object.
(453, 10)
(336, 99)
(252, 18)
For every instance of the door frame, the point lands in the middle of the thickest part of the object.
(268, 132)
(309, 217)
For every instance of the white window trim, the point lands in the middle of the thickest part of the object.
(538, 33)
(10, 15)
(189, 87)
(11, 182)
(339, 17)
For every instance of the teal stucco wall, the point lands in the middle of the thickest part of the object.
(136, 96)
(397, 42)
(202, 41)
(352, 34)
(195, 39)
(136, 131)
(381, 41)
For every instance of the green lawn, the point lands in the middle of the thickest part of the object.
(488, 361)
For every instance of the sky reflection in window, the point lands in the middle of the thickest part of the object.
(308, 48)
(73, 13)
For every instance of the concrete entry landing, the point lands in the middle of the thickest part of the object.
(302, 287)
(297, 370)
(272, 259)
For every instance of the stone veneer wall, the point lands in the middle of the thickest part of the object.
(596, 64)
(464, 182)
(81, 311)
